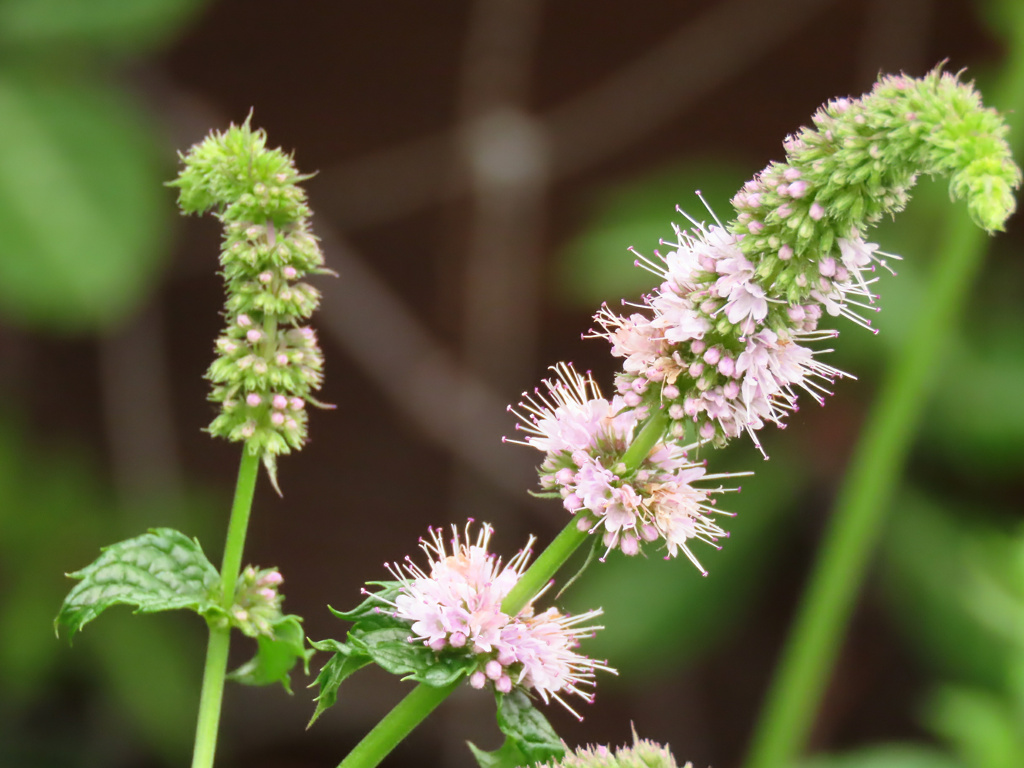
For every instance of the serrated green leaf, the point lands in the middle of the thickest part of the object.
(508, 755)
(343, 663)
(387, 593)
(386, 641)
(445, 671)
(276, 656)
(162, 570)
(532, 734)
(390, 649)
(374, 622)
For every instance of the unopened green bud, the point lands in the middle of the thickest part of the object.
(860, 158)
(265, 354)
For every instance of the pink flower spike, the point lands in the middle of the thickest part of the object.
(816, 211)
(253, 399)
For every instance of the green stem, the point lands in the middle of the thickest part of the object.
(231, 566)
(543, 568)
(856, 524)
(652, 431)
(220, 636)
(211, 696)
(396, 725)
(423, 699)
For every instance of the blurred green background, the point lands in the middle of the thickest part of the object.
(483, 168)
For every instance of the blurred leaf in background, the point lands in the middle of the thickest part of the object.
(965, 621)
(102, 27)
(885, 756)
(85, 237)
(597, 266)
(83, 212)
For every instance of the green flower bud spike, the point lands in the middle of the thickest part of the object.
(268, 362)
(858, 163)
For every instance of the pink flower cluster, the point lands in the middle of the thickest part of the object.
(456, 604)
(584, 438)
(717, 348)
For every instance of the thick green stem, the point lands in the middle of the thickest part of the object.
(652, 431)
(220, 636)
(857, 522)
(423, 699)
(543, 568)
(211, 696)
(238, 525)
(396, 725)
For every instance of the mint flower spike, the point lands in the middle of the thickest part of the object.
(724, 341)
(454, 606)
(268, 361)
(642, 754)
(857, 164)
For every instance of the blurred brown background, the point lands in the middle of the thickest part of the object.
(471, 158)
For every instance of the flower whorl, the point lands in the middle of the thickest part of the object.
(268, 362)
